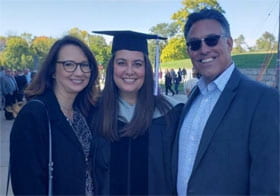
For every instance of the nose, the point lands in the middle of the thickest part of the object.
(78, 70)
(204, 48)
(129, 70)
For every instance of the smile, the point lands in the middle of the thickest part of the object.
(129, 80)
(77, 81)
(208, 60)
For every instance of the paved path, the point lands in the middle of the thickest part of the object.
(5, 129)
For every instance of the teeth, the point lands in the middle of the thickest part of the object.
(128, 80)
(77, 81)
(207, 60)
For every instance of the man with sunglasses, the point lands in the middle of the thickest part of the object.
(228, 139)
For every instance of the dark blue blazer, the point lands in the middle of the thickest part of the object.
(239, 149)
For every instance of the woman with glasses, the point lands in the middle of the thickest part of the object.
(59, 100)
(136, 127)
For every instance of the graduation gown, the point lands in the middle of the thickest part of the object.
(140, 166)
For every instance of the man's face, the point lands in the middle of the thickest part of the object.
(210, 61)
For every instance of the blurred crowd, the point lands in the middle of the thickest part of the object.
(12, 85)
(172, 78)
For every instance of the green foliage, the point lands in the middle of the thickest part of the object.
(165, 29)
(3, 41)
(100, 49)
(190, 6)
(245, 60)
(152, 48)
(81, 34)
(266, 42)
(186, 63)
(17, 54)
(239, 44)
(253, 60)
(40, 47)
(174, 50)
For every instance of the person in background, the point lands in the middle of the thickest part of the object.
(168, 83)
(65, 88)
(21, 83)
(190, 83)
(136, 127)
(2, 98)
(9, 90)
(184, 73)
(27, 74)
(178, 80)
(33, 74)
(229, 132)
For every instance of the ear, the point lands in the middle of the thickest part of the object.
(188, 51)
(230, 43)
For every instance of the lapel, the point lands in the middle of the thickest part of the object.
(219, 111)
(58, 120)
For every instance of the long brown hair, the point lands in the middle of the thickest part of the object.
(145, 106)
(44, 80)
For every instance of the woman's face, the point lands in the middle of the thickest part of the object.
(68, 79)
(129, 72)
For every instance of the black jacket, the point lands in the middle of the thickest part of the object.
(29, 151)
(139, 166)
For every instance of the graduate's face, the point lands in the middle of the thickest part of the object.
(129, 72)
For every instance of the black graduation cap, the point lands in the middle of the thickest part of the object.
(130, 40)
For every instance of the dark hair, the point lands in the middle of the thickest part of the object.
(44, 80)
(144, 109)
(207, 14)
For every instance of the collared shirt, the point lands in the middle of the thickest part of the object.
(193, 126)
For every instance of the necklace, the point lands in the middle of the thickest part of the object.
(68, 113)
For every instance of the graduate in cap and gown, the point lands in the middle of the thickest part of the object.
(135, 128)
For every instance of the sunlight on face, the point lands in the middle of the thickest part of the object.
(129, 72)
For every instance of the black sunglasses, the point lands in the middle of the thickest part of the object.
(210, 40)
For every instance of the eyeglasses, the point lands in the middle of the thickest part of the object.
(71, 66)
(210, 40)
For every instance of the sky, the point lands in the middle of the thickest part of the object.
(54, 18)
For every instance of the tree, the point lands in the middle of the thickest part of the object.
(100, 49)
(165, 29)
(81, 34)
(28, 37)
(266, 42)
(174, 50)
(17, 53)
(193, 5)
(152, 49)
(40, 47)
(239, 44)
(97, 44)
(3, 41)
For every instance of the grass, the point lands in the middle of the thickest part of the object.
(244, 60)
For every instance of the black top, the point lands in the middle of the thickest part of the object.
(140, 166)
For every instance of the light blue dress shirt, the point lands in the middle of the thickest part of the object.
(193, 126)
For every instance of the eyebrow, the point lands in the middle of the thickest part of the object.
(123, 59)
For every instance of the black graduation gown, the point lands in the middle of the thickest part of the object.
(140, 166)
